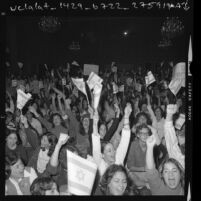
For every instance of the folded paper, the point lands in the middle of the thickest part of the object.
(81, 174)
(93, 80)
(149, 79)
(22, 98)
(97, 93)
(175, 85)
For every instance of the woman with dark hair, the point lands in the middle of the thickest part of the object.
(13, 146)
(56, 124)
(44, 186)
(18, 177)
(42, 154)
(169, 180)
(115, 182)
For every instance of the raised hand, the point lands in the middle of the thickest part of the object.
(63, 138)
(151, 141)
(171, 109)
(127, 110)
(154, 132)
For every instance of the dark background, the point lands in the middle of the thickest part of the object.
(101, 40)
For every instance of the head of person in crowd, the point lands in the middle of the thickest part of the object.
(102, 129)
(158, 113)
(14, 167)
(48, 142)
(115, 181)
(142, 118)
(84, 126)
(44, 186)
(143, 132)
(57, 120)
(29, 116)
(108, 152)
(12, 139)
(9, 117)
(85, 104)
(143, 107)
(172, 173)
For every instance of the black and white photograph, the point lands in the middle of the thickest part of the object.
(98, 105)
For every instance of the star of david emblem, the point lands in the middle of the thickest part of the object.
(80, 175)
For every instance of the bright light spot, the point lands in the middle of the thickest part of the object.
(125, 33)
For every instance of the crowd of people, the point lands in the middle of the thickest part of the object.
(131, 136)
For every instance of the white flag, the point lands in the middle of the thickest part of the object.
(22, 98)
(175, 85)
(179, 72)
(180, 121)
(149, 79)
(93, 80)
(190, 56)
(80, 84)
(81, 174)
(97, 93)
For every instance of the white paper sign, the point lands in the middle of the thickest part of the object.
(88, 68)
(80, 84)
(179, 72)
(97, 93)
(180, 121)
(93, 79)
(81, 174)
(22, 98)
(149, 79)
(175, 85)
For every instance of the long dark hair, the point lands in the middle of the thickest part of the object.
(62, 121)
(52, 139)
(108, 175)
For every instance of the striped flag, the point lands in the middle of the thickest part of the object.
(81, 174)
